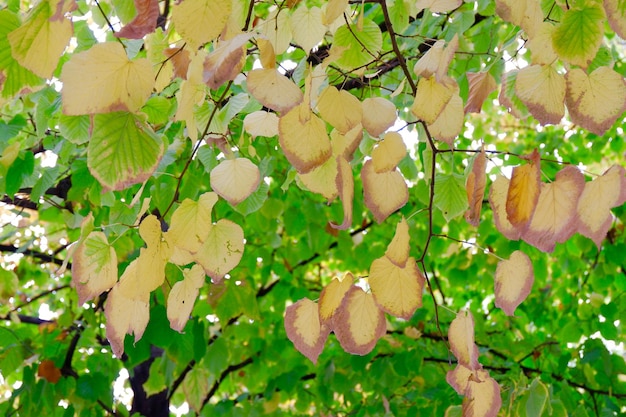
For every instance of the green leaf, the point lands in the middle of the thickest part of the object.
(75, 128)
(579, 35)
(12, 128)
(196, 386)
(22, 168)
(123, 150)
(450, 195)
(254, 201)
(49, 177)
(362, 45)
(538, 396)
(158, 109)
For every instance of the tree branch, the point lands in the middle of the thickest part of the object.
(33, 253)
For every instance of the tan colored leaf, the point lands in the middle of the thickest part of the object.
(398, 249)
(555, 218)
(125, 315)
(261, 123)
(307, 27)
(597, 100)
(508, 98)
(346, 144)
(437, 60)
(190, 19)
(323, 179)
(334, 9)
(358, 322)
(616, 14)
(475, 187)
(523, 193)
(526, 14)
(388, 152)
(180, 59)
(183, 296)
(303, 138)
(596, 201)
(266, 53)
(481, 84)
(345, 186)
(438, 6)
(513, 282)
(144, 22)
(461, 338)
(459, 378)
(103, 80)
(497, 201)
(48, 371)
(542, 90)
(222, 250)
(383, 193)
(273, 90)
(235, 179)
(540, 45)
(277, 29)
(225, 62)
(397, 290)
(379, 114)
(482, 397)
(191, 222)
(340, 109)
(431, 98)
(304, 329)
(332, 295)
(94, 267)
(192, 93)
(449, 123)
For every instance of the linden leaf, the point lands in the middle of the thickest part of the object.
(307, 27)
(513, 281)
(597, 100)
(388, 153)
(225, 62)
(273, 90)
(461, 338)
(345, 187)
(523, 193)
(459, 377)
(334, 9)
(192, 92)
(542, 90)
(431, 98)
(331, 297)
(384, 192)
(235, 179)
(304, 329)
(398, 249)
(182, 297)
(48, 371)
(144, 22)
(196, 387)
(261, 123)
(358, 322)
(397, 290)
(437, 60)
(526, 14)
(616, 13)
(360, 44)
(125, 315)
(303, 138)
(94, 267)
(482, 397)
(481, 84)
(191, 222)
(40, 41)
(555, 217)
(340, 109)
(449, 123)
(190, 19)
(579, 35)
(379, 114)
(540, 45)
(596, 201)
(123, 150)
(103, 80)
(438, 6)
(346, 144)
(277, 29)
(475, 188)
(323, 179)
(497, 201)
(508, 98)
(450, 195)
(222, 250)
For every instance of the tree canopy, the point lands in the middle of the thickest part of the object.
(310, 207)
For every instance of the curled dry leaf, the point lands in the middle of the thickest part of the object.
(513, 281)
(304, 328)
(523, 192)
(475, 187)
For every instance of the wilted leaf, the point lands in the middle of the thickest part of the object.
(388, 152)
(331, 297)
(481, 84)
(190, 19)
(191, 222)
(513, 281)
(379, 114)
(222, 250)
(48, 370)
(475, 188)
(542, 90)
(397, 290)
(182, 297)
(383, 193)
(340, 109)
(304, 329)
(94, 267)
(235, 179)
(273, 90)
(523, 192)
(145, 22)
(461, 338)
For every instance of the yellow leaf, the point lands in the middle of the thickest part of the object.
(523, 192)
(475, 187)
(143, 23)
(346, 144)
(191, 222)
(513, 282)
(459, 377)
(304, 329)
(323, 179)
(303, 138)
(192, 92)
(222, 250)
(526, 14)
(597, 100)
(345, 187)
(273, 90)
(191, 20)
(397, 290)
(388, 153)
(182, 297)
(340, 109)
(358, 322)
(461, 338)
(437, 60)
(431, 98)
(103, 80)
(555, 217)
(596, 201)
(308, 29)
(542, 90)
(398, 249)
(383, 193)
(235, 179)
(379, 114)
(94, 267)
(438, 6)
(481, 84)
(540, 45)
(482, 397)
(277, 29)
(261, 123)
(125, 315)
(9, 154)
(334, 9)
(497, 201)
(449, 123)
(225, 62)
(332, 295)
(40, 41)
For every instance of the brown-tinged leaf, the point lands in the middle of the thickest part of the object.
(459, 377)
(397, 290)
(304, 329)
(358, 322)
(388, 152)
(180, 59)
(497, 200)
(398, 249)
(475, 187)
(616, 14)
(379, 114)
(461, 338)
(449, 123)
(542, 89)
(383, 193)
(513, 281)
(482, 397)
(432, 97)
(94, 267)
(183, 296)
(48, 370)
(523, 193)
(331, 297)
(235, 179)
(226, 61)
(273, 90)
(144, 22)
(481, 84)
(345, 187)
(125, 315)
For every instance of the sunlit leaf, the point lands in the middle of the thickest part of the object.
(345, 187)
(182, 297)
(332, 295)
(398, 249)
(192, 93)
(523, 192)
(461, 338)
(190, 19)
(340, 109)
(225, 62)
(397, 290)
(431, 98)
(323, 179)
(437, 60)
(497, 199)
(261, 123)
(273, 90)
(578, 36)
(438, 6)
(277, 29)
(379, 114)
(144, 22)
(125, 315)
(481, 84)
(360, 43)
(540, 45)
(191, 222)
(449, 123)
(475, 188)
(308, 29)
(526, 14)
(94, 267)
(235, 179)
(222, 250)
(384, 192)
(304, 329)
(388, 153)
(542, 90)
(482, 397)
(513, 281)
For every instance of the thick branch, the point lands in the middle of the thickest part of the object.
(33, 253)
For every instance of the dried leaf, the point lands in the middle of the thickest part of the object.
(304, 329)
(523, 193)
(513, 281)
(475, 187)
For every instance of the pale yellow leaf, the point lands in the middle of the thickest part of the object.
(200, 21)
(497, 200)
(383, 193)
(437, 60)
(273, 90)
(523, 193)
(323, 179)
(182, 297)
(334, 9)
(94, 267)
(346, 144)
(222, 250)
(345, 186)
(449, 123)
(540, 45)
(103, 80)
(192, 93)
(475, 187)
(526, 14)
(513, 281)
(191, 222)
(398, 249)
(267, 55)
(481, 84)
(388, 152)
(125, 315)
(482, 397)
(461, 338)
(379, 114)
(261, 123)
(304, 329)
(397, 290)
(308, 29)
(542, 89)
(459, 377)
(616, 14)
(431, 98)
(340, 109)
(332, 295)
(235, 179)
(277, 29)
(438, 6)
(597, 100)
